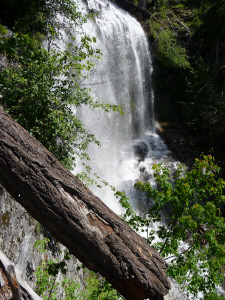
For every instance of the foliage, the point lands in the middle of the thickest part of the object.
(48, 282)
(170, 52)
(41, 85)
(192, 231)
(204, 107)
(211, 30)
(38, 92)
(98, 288)
(32, 16)
(189, 35)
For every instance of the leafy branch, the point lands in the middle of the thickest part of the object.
(188, 206)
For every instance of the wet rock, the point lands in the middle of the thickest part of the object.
(93, 11)
(144, 175)
(140, 150)
(183, 148)
(153, 145)
(142, 169)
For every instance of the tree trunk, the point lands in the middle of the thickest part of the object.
(12, 284)
(76, 217)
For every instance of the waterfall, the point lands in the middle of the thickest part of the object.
(122, 77)
(129, 143)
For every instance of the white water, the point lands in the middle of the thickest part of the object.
(122, 77)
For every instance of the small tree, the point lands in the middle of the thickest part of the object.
(41, 76)
(188, 206)
(48, 283)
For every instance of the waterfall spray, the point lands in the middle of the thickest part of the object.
(122, 77)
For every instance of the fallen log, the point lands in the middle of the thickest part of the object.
(76, 217)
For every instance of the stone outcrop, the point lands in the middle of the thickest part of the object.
(185, 149)
(140, 150)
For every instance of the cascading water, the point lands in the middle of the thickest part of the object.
(129, 144)
(122, 77)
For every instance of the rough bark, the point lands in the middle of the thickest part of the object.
(76, 217)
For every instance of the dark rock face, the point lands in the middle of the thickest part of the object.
(185, 148)
(133, 9)
(140, 150)
(125, 4)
